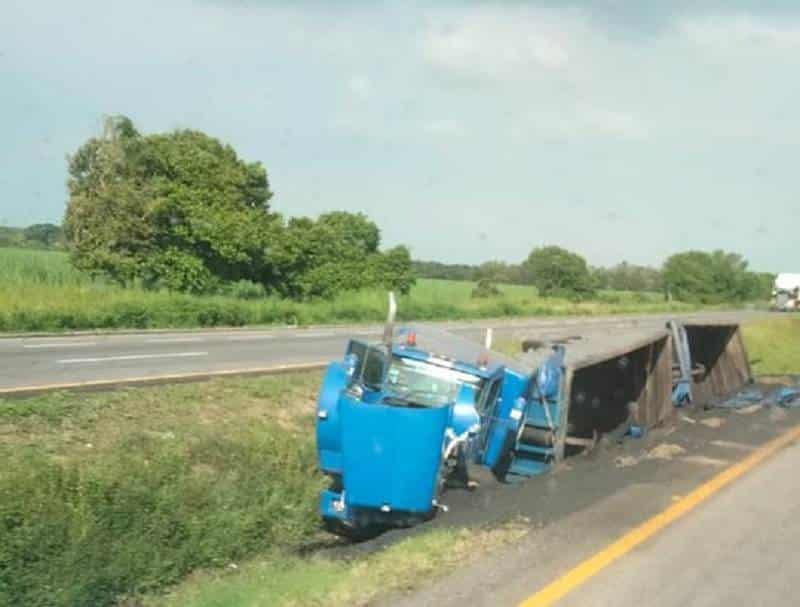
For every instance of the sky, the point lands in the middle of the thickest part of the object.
(467, 130)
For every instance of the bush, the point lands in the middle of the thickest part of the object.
(147, 514)
(485, 288)
(557, 272)
(245, 289)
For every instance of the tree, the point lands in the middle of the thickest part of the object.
(337, 252)
(392, 269)
(179, 209)
(45, 234)
(715, 277)
(627, 277)
(556, 271)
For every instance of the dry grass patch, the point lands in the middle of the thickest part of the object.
(323, 581)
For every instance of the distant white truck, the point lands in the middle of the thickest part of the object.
(786, 292)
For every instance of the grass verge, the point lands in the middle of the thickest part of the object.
(40, 291)
(773, 346)
(121, 493)
(321, 581)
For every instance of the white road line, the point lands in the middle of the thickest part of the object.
(173, 340)
(318, 334)
(248, 337)
(75, 344)
(72, 361)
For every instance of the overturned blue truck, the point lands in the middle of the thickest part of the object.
(401, 421)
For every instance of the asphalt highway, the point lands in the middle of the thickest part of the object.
(704, 512)
(738, 549)
(51, 361)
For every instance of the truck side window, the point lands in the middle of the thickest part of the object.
(374, 366)
(488, 397)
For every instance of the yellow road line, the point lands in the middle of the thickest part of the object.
(594, 564)
(164, 378)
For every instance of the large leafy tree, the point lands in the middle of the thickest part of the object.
(179, 210)
(628, 277)
(713, 277)
(337, 252)
(556, 271)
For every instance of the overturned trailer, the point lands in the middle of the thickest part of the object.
(607, 383)
(709, 361)
(400, 421)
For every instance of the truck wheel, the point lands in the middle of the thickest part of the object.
(356, 534)
(503, 463)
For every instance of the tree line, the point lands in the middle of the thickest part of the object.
(691, 276)
(181, 211)
(38, 236)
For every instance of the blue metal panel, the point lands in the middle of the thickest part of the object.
(464, 414)
(535, 414)
(682, 387)
(328, 423)
(391, 455)
(505, 416)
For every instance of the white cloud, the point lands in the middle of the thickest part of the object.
(446, 128)
(611, 122)
(740, 32)
(360, 86)
(578, 121)
(499, 45)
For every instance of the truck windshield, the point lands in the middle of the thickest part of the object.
(425, 384)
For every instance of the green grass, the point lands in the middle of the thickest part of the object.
(40, 291)
(125, 492)
(31, 267)
(321, 581)
(773, 346)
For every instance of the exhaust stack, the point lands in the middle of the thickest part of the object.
(388, 329)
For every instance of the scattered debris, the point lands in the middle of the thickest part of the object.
(743, 399)
(665, 451)
(785, 397)
(687, 419)
(712, 422)
(749, 410)
(626, 461)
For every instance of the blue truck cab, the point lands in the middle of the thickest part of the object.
(397, 423)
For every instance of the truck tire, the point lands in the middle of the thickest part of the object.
(503, 463)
